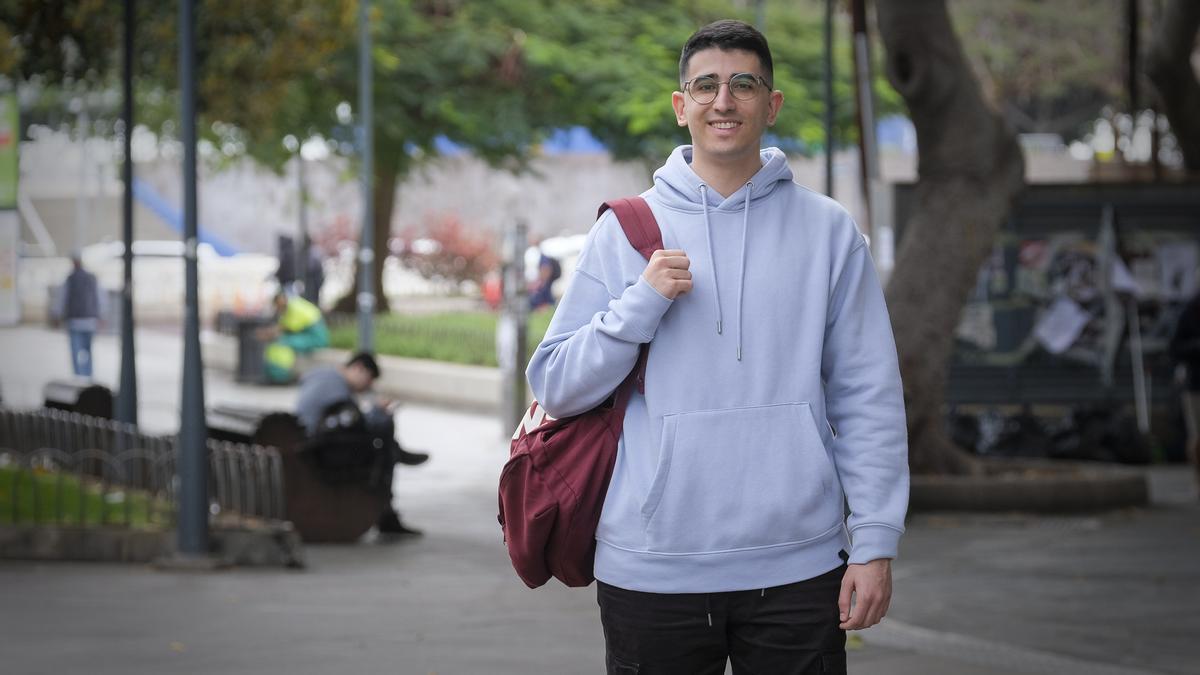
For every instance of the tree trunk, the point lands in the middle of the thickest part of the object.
(970, 170)
(383, 192)
(1169, 67)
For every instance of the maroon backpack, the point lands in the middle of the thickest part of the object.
(552, 488)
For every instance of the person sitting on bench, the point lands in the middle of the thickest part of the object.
(324, 390)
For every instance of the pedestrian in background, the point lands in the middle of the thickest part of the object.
(1185, 350)
(299, 330)
(80, 306)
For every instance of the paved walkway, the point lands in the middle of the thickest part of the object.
(975, 595)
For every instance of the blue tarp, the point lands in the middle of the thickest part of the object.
(173, 216)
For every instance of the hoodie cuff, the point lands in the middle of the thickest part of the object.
(641, 307)
(872, 542)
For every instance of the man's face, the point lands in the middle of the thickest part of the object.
(359, 378)
(727, 129)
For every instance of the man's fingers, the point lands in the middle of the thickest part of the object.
(844, 598)
(679, 274)
(671, 258)
(868, 610)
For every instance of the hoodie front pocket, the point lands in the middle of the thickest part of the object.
(740, 478)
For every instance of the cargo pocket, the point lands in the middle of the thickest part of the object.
(740, 478)
(833, 663)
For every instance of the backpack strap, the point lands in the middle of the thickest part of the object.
(638, 221)
(643, 233)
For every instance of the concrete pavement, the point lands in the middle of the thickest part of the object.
(974, 595)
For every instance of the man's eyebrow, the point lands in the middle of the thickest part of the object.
(712, 75)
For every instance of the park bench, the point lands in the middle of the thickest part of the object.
(79, 396)
(320, 511)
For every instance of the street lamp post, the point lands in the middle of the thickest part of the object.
(127, 394)
(828, 82)
(193, 453)
(366, 247)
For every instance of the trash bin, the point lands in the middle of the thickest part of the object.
(251, 366)
(80, 397)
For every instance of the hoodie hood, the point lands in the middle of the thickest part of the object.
(680, 188)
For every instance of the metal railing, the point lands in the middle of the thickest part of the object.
(86, 470)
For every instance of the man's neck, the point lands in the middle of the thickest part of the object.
(726, 177)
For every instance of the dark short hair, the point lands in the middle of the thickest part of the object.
(366, 361)
(729, 35)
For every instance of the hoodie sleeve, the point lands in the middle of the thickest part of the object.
(592, 342)
(865, 404)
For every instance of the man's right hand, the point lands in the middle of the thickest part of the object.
(668, 273)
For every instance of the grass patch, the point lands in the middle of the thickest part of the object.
(61, 498)
(457, 337)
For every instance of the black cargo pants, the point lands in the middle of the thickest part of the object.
(782, 630)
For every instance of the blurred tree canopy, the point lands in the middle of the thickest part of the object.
(1048, 66)
(495, 77)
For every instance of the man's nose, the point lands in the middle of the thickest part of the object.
(724, 99)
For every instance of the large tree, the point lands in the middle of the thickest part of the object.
(969, 171)
(1169, 66)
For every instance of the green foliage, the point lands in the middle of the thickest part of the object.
(60, 497)
(493, 76)
(59, 40)
(461, 337)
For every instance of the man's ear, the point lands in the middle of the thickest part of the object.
(775, 105)
(678, 102)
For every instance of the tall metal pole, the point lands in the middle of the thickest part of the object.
(829, 138)
(1132, 67)
(302, 198)
(127, 395)
(193, 454)
(865, 113)
(512, 330)
(305, 241)
(366, 250)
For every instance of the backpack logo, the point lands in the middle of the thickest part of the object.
(534, 417)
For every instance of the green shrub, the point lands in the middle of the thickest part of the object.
(457, 337)
(59, 498)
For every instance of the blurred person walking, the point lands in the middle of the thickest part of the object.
(772, 399)
(80, 306)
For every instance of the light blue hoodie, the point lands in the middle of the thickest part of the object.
(729, 475)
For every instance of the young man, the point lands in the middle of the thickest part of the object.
(772, 399)
(324, 388)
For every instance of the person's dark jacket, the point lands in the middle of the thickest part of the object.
(82, 296)
(1185, 343)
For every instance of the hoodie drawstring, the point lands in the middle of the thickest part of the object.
(741, 271)
(711, 257)
(708, 608)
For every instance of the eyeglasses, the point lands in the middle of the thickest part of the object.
(742, 86)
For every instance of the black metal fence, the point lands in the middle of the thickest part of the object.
(85, 470)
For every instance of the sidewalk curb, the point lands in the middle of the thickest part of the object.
(253, 547)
